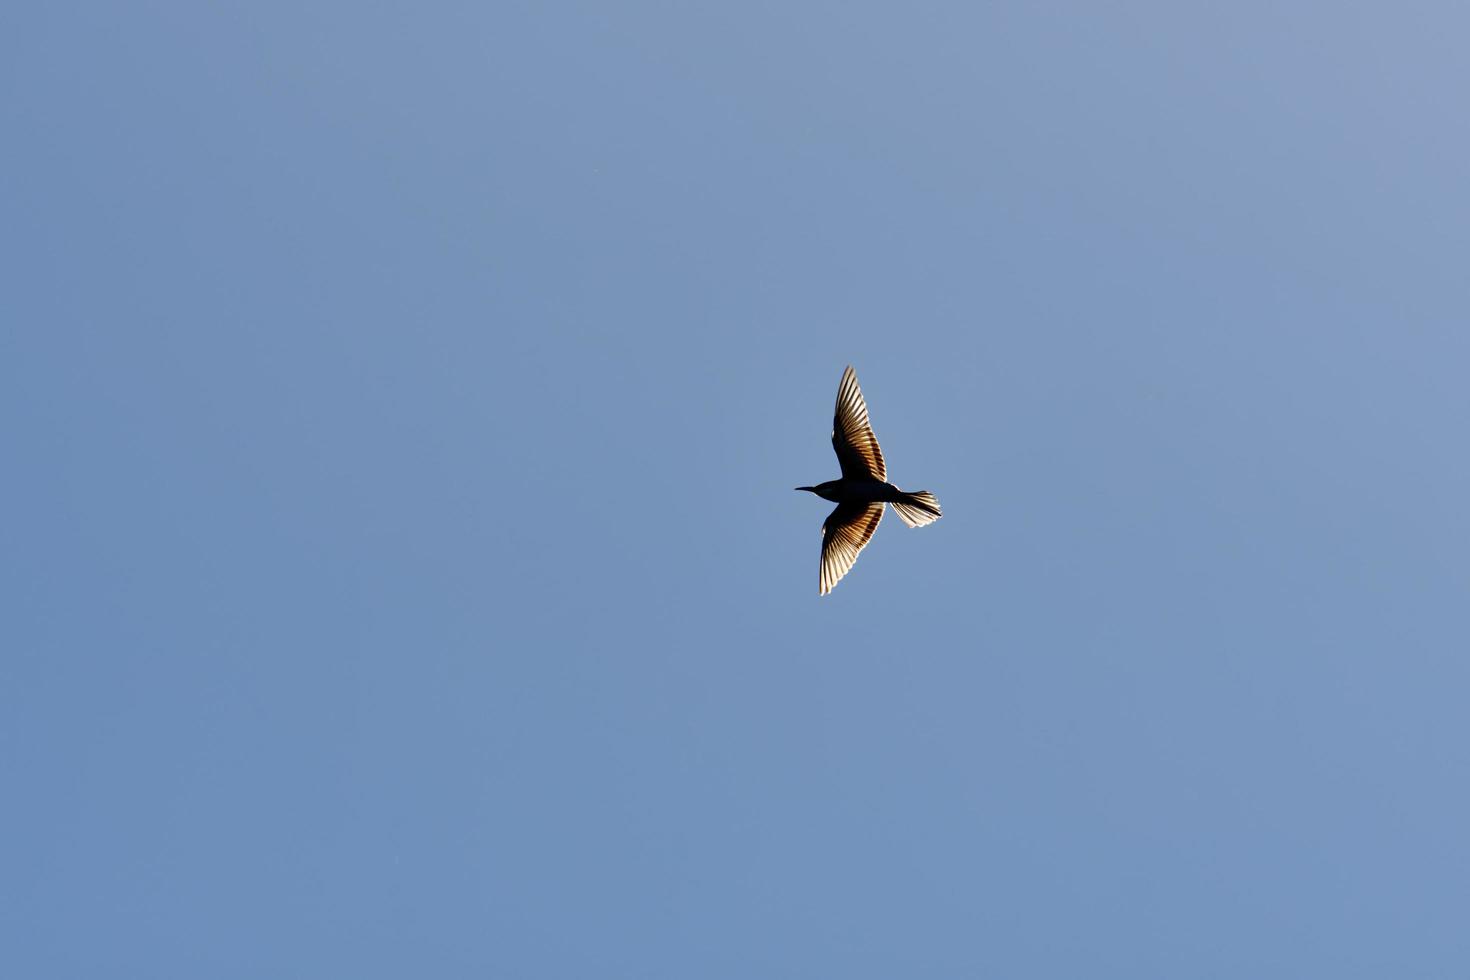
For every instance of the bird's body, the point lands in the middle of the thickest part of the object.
(858, 491)
(863, 490)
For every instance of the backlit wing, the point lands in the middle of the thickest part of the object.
(852, 437)
(847, 530)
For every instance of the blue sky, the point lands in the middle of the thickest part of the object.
(402, 574)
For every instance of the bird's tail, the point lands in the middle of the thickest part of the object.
(916, 509)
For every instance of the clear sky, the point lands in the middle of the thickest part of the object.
(401, 404)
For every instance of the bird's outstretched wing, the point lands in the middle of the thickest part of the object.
(852, 437)
(847, 530)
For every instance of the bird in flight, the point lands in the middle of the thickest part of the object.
(863, 489)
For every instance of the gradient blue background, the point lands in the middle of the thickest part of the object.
(402, 577)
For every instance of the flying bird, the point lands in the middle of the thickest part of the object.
(863, 489)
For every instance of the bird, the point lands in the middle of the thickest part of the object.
(863, 489)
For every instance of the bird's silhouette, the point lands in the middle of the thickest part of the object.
(863, 489)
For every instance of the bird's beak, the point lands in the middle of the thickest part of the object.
(812, 489)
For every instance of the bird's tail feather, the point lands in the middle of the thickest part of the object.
(916, 509)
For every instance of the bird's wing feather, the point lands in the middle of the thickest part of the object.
(848, 529)
(852, 437)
